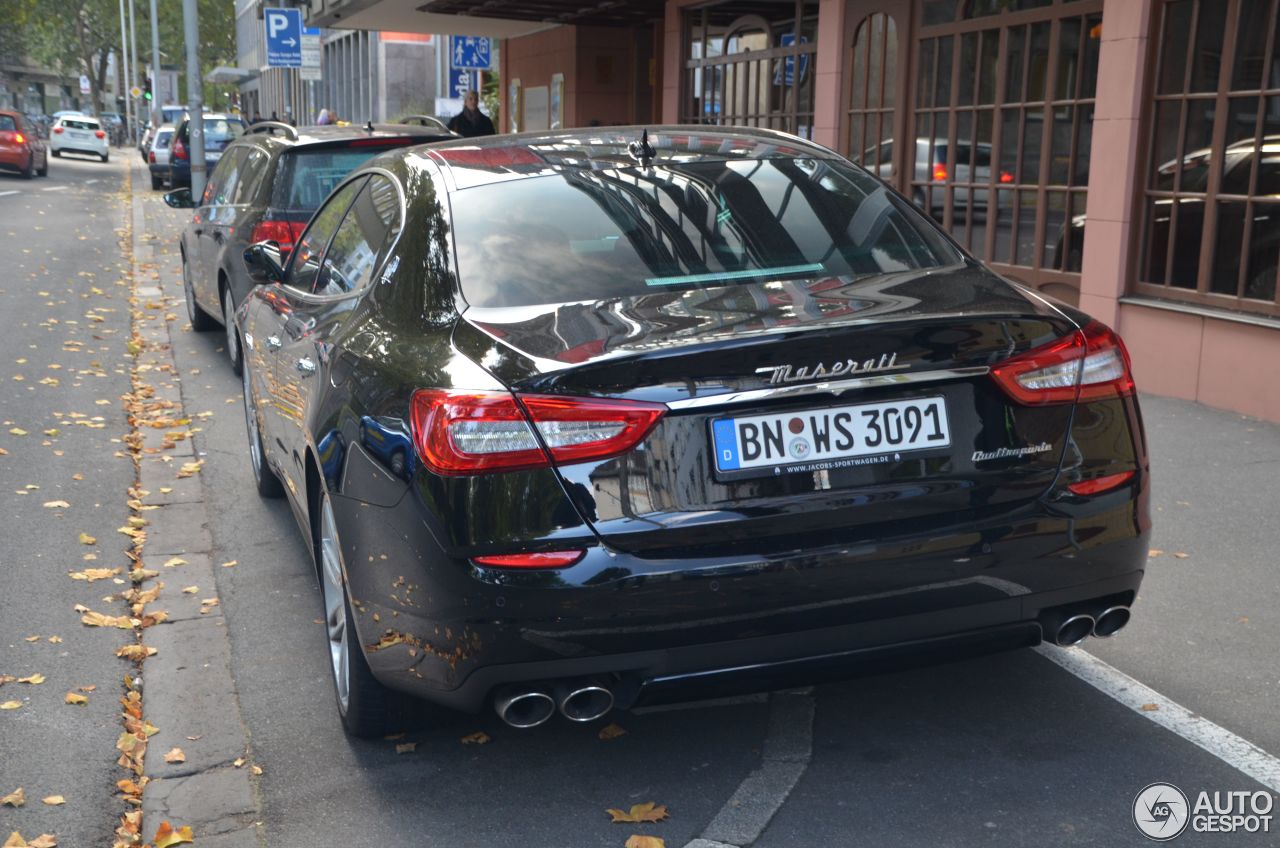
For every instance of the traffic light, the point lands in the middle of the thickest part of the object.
(146, 90)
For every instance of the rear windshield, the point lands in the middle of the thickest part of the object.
(219, 132)
(7, 124)
(80, 125)
(584, 235)
(306, 176)
(163, 137)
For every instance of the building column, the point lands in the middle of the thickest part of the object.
(828, 67)
(1112, 232)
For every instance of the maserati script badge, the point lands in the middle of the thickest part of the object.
(790, 374)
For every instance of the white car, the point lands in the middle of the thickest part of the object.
(79, 134)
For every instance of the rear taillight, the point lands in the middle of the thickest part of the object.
(99, 134)
(283, 233)
(544, 559)
(58, 130)
(19, 138)
(940, 172)
(463, 433)
(151, 157)
(1090, 364)
(178, 151)
(1006, 177)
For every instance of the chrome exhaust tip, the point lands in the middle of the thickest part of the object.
(1110, 621)
(1073, 630)
(583, 701)
(524, 708)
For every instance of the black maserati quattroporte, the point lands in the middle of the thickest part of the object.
(602, 418)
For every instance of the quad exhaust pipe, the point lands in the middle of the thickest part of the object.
(1067, 627)
(526, 706)
(530, 705)
(582, 700)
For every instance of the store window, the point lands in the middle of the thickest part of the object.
(751, 64)
(1211, 204)
(1003, 123)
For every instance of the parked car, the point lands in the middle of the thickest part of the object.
(972, 164)
(1237, 171)
(219, 131)
(694, 411)
(21, 148)
(158, 155)
(79, 134)
(267, 185)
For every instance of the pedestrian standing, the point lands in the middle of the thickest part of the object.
(471, 121)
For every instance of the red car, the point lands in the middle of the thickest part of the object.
(21, 148)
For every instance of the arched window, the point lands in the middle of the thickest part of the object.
(872, 71)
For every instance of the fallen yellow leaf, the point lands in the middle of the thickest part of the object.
(646, 812)
(75, 698)
(406, 747)
(256, 769)
(44, 840)
(174, 562)
(231, 563)
(54, 800)
(166, 836)
(16, 798)
(17, 431)
(477, 738)
(638, 841)
(86, 539)
(191, 590)
(1150, 708)
(92, 574)
(97, 619)
(15, 840)
(611, 731)
(56, 505)
(11, 705)
(135, 652)
(35, 679)
(175, 755)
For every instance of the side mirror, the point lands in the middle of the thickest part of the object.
(180, 199)
(264, 262)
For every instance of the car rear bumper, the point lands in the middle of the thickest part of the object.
(666, 630)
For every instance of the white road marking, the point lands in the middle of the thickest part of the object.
(7, 193)
(1233, 750)
(788, 747)
(54, 188)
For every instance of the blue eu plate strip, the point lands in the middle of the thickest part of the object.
(725, 444)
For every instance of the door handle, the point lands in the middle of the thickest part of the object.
(306, 366)
(273, 342)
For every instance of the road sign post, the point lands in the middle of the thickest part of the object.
(284, 37)
(470, 53)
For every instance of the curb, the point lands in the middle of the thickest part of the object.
(189, 692)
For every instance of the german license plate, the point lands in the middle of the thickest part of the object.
(834, 437)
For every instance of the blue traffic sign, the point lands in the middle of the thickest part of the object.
(470, 52)
(460, 82)
(284, 37)
(788, 75)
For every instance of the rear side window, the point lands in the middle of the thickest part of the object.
(304, 266)
(586, 234)
(8, 124)
(362, 239)
(306, 176)
(162, 140)
(219, 132)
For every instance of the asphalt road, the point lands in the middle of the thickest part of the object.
(1011, 749)
(63, 326)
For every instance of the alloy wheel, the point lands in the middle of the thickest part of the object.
(335, 604)
(233, 334)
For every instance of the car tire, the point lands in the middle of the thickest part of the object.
(264, 479)
(366, 707)
(29, 171)
(201, 321)
(233, 332)
(156, 183)
(104, 156)
(57, 154)
(44, 172)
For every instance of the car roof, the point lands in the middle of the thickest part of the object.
(272, 134)
(479, 160)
